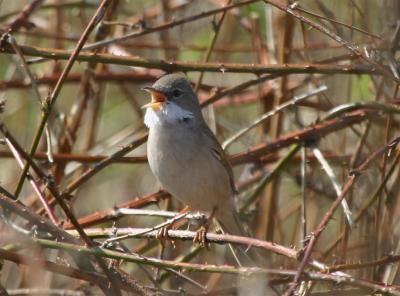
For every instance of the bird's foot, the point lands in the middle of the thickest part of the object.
(201, 234)
(162, 234)
(201, 237)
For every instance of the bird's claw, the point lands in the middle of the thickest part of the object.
(201, 234)
(200, 237)
(162, 234)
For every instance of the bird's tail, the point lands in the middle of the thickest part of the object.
(231, 224)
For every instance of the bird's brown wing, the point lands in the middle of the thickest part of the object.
(219, 154)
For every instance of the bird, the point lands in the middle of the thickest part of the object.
(185, 156)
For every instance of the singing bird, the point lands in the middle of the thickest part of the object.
(184, 154)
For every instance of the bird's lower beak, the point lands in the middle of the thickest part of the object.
(157, 98)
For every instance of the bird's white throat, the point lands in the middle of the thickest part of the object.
(169, 113)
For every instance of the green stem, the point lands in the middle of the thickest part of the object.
(268, 177)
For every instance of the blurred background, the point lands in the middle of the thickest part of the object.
(328, 86)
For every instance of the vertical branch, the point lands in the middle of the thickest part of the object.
(216, 29)
(268, 206)
(88, 91)
(354, 161)
(303, 195)
(210, 48)
(164, 35)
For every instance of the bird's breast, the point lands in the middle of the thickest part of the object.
(186, 167)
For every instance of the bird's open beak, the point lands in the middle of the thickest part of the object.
(157, 98)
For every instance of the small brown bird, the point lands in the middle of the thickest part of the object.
(184, 154)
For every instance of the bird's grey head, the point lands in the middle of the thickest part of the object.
(174, 89)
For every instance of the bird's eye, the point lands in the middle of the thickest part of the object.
(176, 93)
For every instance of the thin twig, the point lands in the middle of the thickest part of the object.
(148, 30)
(21, 19)
(84, 177)
(274, 111)
(111, 214)
(81, 158)
(303, 195)
(35, 186)
(350, 46)
(381, 261)
(216, 30)
(338, 22)
(269, 176)
(372, 105)
(64, 4)
(156, 213)
(157, 227)
(309, 134)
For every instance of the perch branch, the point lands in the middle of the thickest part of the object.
(172, 66)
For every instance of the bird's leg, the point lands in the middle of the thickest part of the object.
(162, 233)
(200, 237)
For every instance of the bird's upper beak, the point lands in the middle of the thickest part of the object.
(158, 98)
